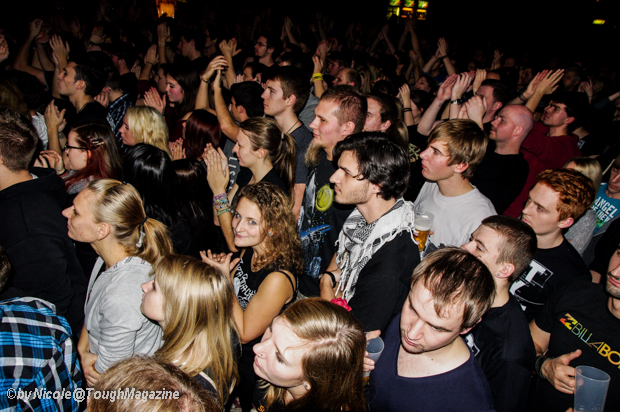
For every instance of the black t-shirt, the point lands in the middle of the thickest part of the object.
(417, 144)
(320, 222)
(501, 177)
(578, 317)
(605, 248)
(503, 345)
(383, 283)
(303, 137)
(92, 112)
(550, 269)
(245, 175)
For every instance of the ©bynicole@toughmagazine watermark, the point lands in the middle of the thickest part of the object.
(81, 394)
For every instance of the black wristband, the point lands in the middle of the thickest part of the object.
(331, 275)
(538, 365)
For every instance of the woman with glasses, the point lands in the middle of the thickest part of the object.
(91, 152)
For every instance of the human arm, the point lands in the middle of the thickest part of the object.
(369, 364)
(586, 87)
(442, 46)
(497, 60)
(21, 58)
(429, 64)
(481, 75)
(460, 87)
(227, 123)
(60, 53)
(150, 60)
(404, 94)
(152, 99)
(476, 107)
(443, 94)
(555, 370)
(87, 359)
(288, 29)
(317, 77)
(546, 85)
(390, 46)
(229, 50)
(326, 283)
(55, 123)
(202, 96)
(51, 159)
(163, 34)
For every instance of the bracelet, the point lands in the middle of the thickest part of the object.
(317, 76)
(221, 212)
(540, 360)
(444, 56)
(406, 109)
(522, 98)
(331, 275)
(219, 197)
(457, 101)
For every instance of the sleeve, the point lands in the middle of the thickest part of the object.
(606, 247)
(120, 321)
(509, 384)
(535, 140)
(544, 319)
(580, 234)
(384, 282)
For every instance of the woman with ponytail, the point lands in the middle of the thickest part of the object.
(265, 153)
(110, 216)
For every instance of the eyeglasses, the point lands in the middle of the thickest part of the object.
(259, 44)
(73, 147)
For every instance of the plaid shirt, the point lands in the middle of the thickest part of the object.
(116, 113)
(36, 351)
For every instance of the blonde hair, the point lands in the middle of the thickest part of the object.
(334, 359)
(589, 168)
(119, 205)
(148, 126)
(199, 327)
(179, 392)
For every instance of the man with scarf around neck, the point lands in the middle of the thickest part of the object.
(376, 253)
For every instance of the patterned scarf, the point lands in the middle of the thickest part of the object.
(358, 241)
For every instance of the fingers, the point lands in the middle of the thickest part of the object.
(372, 334)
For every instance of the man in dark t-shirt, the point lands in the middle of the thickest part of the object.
(340, 113)
(376, 248)
(501, 341)
(558, 199)
(579, 325)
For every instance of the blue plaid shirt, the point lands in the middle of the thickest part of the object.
(116, 113)
(36, 352)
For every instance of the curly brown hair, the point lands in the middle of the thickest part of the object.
(277, 218)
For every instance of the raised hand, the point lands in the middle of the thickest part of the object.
(152, 57)
(54, 119)
(531, 88)
(34, 28)
(442, 47)
(221, 261)
(549, 83)
(51, 159)
(476, 107)
(445, 90)
(60, 49)
(481, 75)
(104, 97)
(96, 36)
(163, 33)
(461, 85)
(176, 148)
(323, 48)
(219, 63)
(404, 94)
(152, 99)
(217, 169)
(318, 64)
(586, 87)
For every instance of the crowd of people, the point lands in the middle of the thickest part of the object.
(228, 211)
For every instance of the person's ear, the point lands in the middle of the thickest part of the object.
(270, 50)
(461, 167)
(466, 330)
(518, 130)
(347, 128)
(569, 120)
(505, 271)
(260, 153)
(291, 100)
(307, 386)
(566, 223)
(385, 125)
(103, 230)
(80, 84)
(497, 106)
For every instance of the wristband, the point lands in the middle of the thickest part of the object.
(444, 56)
(317, 76)
(457, 101)
(331, 275)
(540, 360)
(221, 212)
(406, 109)
(522, 98)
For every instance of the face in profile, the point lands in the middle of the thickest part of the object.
(279, 356)
(152, 305)
(80, 220)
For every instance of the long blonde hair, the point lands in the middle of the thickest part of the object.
(148, 126)
(121, 207)
(198, 327)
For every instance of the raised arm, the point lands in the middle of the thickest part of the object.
(442, 46)
(150, 60)
(202, 96)
(229, 50)
(163, 34)
(547, 85)
(460, 87)
(317, 76)
(60, 55)
(227, 123)
(21, 58)
(443, 94)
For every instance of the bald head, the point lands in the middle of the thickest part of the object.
(511, 126)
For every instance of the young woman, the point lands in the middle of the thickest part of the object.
(192, 302)
(109, 215)
(91, 153)
(264, 273)
(312, 358)
(143, 124)
(265, 153)
(201, 128)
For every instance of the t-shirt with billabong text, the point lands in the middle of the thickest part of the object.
(548, 271)
(578, 317)
(605, 207)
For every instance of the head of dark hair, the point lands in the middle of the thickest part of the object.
(18, 140)
(197, 36)
(380, 160)
(576, 106)
(299, 60)
(34, 93)
(501, 92)
(248, 95)
(201, 128)
(186, 75)
(293, 82)
(431, 82)
(421, 99)
(93, 77)
(384, 87)
(150, 171)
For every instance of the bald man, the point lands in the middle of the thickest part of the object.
(503, 172)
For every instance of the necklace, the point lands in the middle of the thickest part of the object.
(294, 124)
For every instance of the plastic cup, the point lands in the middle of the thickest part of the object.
(374, 347)
(422, 224)
(591, 386)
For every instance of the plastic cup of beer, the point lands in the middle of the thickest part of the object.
(591, 386)
(374, 347)
(423, 222)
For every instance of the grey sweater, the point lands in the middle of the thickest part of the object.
(116, 327)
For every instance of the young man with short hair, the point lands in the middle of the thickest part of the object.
(376, 248)
(265, 50)
(501, 341)
(286, 92)
(455, 148)
(426, 365)
(341, 112)
(558, 199)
